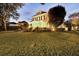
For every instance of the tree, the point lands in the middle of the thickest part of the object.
(74, 18)
(42, 3)
(8, 10)
(56, 15)
(68, 24)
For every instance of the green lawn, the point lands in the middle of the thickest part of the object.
(39, 43)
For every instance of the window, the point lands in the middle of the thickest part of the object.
(41, 17)
(34, 19)
(44, 17)
(37, 19)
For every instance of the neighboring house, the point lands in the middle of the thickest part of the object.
(74, 19)
(23, 25)
(63, 26)
(75, 27)
(12, 26)
(75, 24)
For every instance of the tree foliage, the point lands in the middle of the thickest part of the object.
(42, 3)
(74, 18)
(8, 10)
(56, 15)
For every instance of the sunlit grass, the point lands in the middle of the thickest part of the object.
(39, 43)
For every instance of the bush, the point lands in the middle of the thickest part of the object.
(61, 29)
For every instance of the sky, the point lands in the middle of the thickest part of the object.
(30, 9)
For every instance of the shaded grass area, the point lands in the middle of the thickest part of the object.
(39, 43)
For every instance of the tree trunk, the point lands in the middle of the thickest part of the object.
(5, 25)
(1, 21)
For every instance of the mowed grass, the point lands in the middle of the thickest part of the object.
(39, 43)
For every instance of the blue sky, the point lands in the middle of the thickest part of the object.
(29, 9)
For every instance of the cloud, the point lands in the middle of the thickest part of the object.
(76, 10)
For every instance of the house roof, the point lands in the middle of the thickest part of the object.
(39, 12)
(22, 22)
(11, 23)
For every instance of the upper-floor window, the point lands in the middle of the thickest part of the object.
(41, 18)
(35, 19)
(44, 17)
